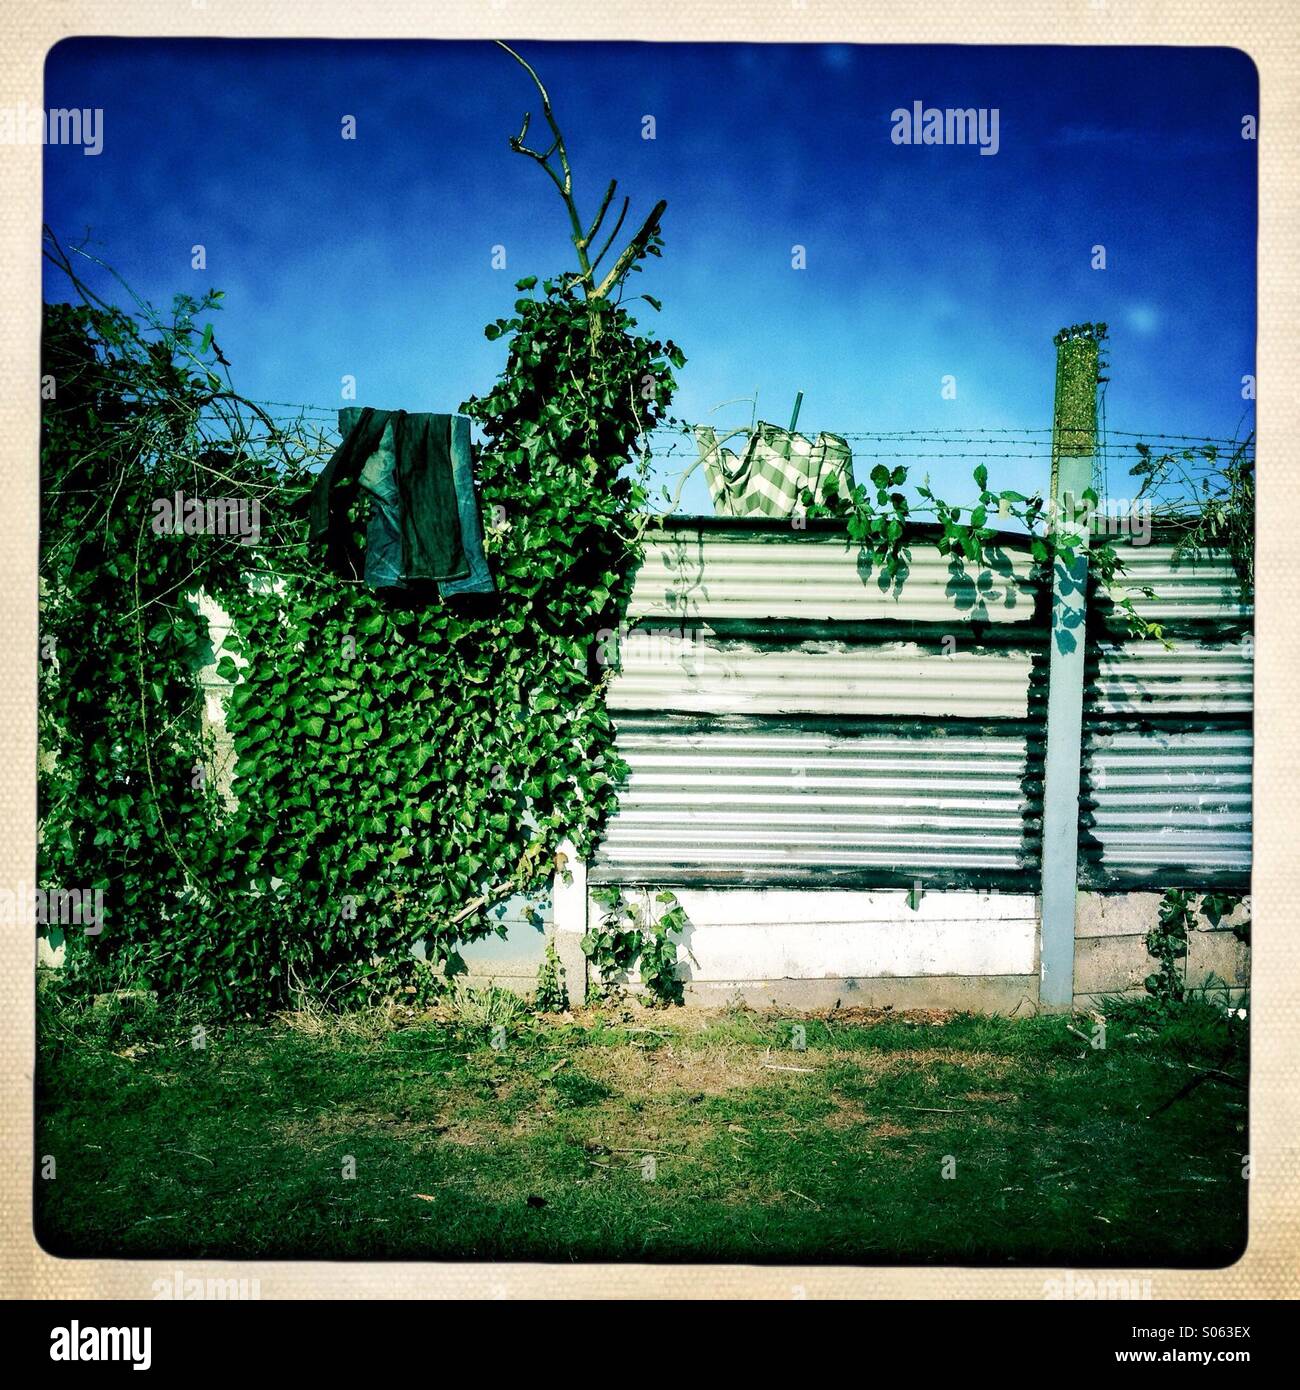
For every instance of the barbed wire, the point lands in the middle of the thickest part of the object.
(934, 444)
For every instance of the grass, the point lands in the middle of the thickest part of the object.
(540, 1148)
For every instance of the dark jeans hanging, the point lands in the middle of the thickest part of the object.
(405, 463)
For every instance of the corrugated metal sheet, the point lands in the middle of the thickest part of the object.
(1171, 804)
(735, 800)
(690, 574)
(1145, 677)
(1167, 806)
(663, 670)
(1200, 589)
(760, 748)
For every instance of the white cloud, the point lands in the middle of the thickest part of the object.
(1143, 319)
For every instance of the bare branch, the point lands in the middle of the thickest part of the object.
(558, 146)
(600, 216)
(564, 183)
(610, 240)
(631, 251)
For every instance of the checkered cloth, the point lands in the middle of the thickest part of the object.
(769, 478)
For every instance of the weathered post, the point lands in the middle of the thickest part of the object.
(1074, 444)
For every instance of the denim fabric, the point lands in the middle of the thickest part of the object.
(479, 578)
(384, 534)
(403, 461)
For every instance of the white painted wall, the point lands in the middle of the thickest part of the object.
(779, 934)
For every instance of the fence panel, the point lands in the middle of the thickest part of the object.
(1166, 797)
(803, 722)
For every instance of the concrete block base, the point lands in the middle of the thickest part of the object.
(985, 994)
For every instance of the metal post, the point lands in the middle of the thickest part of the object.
(1073, 446)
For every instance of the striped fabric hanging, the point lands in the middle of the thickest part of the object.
(775, 469)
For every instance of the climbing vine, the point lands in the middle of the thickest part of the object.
(398, 769)
(402, 768)
(1205, 495)
(136, 410)
(628, 937)
(551, 995)
(877, 519)
(1167, 941)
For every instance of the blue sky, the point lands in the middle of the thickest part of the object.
(373, 257)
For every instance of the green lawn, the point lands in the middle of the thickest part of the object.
(538, 1148)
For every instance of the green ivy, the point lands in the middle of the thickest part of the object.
(627, 938)
(399, 769)
(1167, 941)
(551, 995)
(402, 768)
(133, 410)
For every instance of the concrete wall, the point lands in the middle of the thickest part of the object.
(513, 959)
(1111, 958)
(953, 950)
(812, 949)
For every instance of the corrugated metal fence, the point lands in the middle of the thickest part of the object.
(791, 718)
(1166, 796)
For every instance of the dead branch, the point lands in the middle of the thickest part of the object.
(562, 178)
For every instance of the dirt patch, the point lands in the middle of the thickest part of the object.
(724, 1067)
(886, 1129)
(874, 1064)
(343, 1122)
(697, 1071)
(468, 1134)
(632, 1012)
(847, 1114)
(866, 1018)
